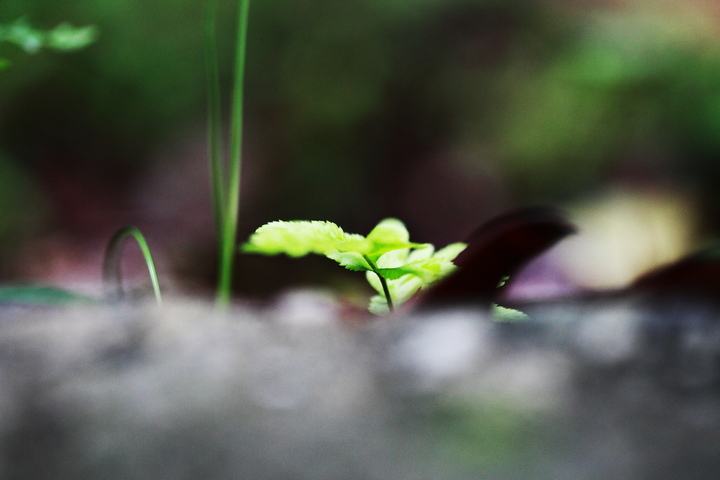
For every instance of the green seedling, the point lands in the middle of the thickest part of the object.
(394, 266)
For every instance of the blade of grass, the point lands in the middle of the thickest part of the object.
(232, 200)
(215, 150)
(112, 277)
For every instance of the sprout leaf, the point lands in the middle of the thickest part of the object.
(395, 266)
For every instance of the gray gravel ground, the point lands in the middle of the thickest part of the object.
(584, 391)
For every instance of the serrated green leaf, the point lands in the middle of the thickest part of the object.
(450, 252)
(387, 255)
(388, 236)
(389, 231)
(425, 265)
(422, 252)
(40, 295)
(411, 271)
(374, 281)
(404, 288)
(401, 290)
(300, 238)
(393, 259)
(378, 305)
(351, 260)
(377, 251)
(394, 273)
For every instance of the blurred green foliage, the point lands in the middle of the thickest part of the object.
(630, 85)
(64, 37)
(21, 203)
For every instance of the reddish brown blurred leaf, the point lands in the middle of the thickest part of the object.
(696, 275)
(497, 249)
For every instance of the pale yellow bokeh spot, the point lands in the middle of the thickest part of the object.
(624, 234)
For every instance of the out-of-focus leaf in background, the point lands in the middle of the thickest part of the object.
(64, 37)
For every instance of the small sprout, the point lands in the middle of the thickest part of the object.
(395, 267)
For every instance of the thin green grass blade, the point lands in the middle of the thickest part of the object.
(232, 203)
(215, 150)
(111, 266)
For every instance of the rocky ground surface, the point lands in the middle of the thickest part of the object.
(593, 390)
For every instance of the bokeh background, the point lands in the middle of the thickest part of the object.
(441, 112)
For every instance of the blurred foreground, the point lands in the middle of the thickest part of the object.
(618, 389)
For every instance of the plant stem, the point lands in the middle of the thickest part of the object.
(232, 200)
(112, 277)
(215, 154)
(383, 282)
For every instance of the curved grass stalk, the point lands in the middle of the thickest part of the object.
(112, 277)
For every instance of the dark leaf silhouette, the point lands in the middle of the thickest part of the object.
(497, 249)
(696, 275)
